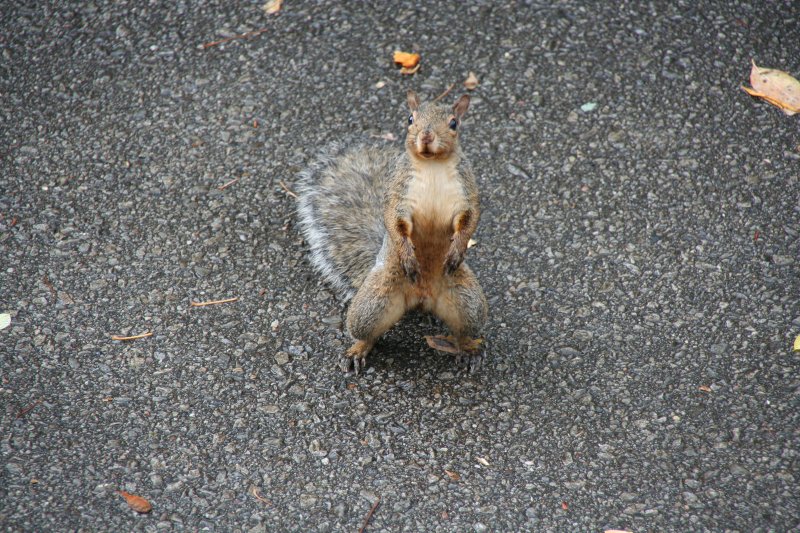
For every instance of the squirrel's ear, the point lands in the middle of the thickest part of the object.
(413, 100)
(461, 106)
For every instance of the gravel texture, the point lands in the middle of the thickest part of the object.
(641, 258)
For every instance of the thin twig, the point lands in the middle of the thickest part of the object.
(214, 302)
(132, 337)
(445, 93)
(288, 190)
(240, 36)
(369, 514)
(226, 185)
(25, 410)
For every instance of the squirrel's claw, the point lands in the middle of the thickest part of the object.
(352, 364)
(356, 357)
(470, 356)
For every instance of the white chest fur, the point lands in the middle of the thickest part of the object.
(434, 194)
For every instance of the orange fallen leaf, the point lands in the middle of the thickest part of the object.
(564, 505)
(455, 476)
(406, 59)
(137, 503)
(471, 82)
(704, 388)
(778, 88)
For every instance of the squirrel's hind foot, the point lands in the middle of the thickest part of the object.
(471, 361)
(356, 357)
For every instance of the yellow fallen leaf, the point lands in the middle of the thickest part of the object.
(406, 59)
(776, 87)
(797, 344)
(272, 6)
(471, 243)
(471, 82)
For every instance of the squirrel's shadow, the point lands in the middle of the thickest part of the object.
(404, 349)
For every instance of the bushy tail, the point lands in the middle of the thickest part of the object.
(340, 207)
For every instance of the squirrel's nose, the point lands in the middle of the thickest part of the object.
(426, 137)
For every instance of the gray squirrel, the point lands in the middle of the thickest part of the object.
(388, 230)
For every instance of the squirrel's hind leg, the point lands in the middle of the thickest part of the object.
(462, 306)
(376, 307)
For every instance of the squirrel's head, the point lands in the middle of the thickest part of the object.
(433, 128)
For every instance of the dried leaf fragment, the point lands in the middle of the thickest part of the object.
(704, 388)
(482, 461)
(616, 531)
(777, 87)
(448, 344)
(406, 59)
(257, 495)
(409, 71)
(5, 320)
(471, 82)
(795, 348)
(564, 505)
(272, 6)
(455, 476)
(137, 503)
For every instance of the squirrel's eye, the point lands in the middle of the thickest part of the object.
(453, 124)
(410, 119)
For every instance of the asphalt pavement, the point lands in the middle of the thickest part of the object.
(639, 247)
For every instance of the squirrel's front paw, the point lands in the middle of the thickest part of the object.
(453, 259)
(409, 261)
(411, 267)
